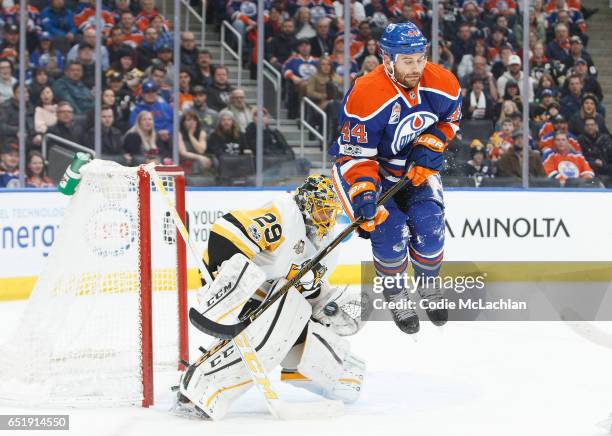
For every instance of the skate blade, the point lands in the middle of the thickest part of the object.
(188, 411)
(606, 425)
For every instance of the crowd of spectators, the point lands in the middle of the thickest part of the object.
(137, 103)
(480, 41)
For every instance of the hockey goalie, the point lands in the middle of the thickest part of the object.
(250, 254)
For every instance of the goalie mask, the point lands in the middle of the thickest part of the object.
(318, 203)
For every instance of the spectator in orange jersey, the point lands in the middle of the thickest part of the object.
(147, 12)
(131, 34)
(563, 165)
(547, 143)
(85, 16)
(553, 5)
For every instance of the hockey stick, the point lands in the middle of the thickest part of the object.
(178, 222)
(592, 333)
(278, 408)
(228, 332)
(587, 330)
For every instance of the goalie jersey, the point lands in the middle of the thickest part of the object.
(274, 237)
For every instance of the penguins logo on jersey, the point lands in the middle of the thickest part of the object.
(253, 231)
(411, 127)
(299, 247)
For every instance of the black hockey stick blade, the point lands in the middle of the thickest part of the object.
(208, 326)
(229, 331)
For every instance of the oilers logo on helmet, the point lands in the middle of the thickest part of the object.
(410, 127)
(402, 38)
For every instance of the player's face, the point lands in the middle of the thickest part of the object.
(408, 69)
(325, 216)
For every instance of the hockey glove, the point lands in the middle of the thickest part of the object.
(363, 199)
(418, 175)
(427, 156)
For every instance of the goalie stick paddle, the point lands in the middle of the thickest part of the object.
(229, 331)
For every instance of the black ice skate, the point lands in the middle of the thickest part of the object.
(405, 317)
(432, 293)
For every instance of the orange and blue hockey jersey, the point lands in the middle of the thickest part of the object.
(380, 120)
(296, 65)
(567, 166)
(547, 144)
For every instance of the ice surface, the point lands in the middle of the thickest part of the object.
(467, 379)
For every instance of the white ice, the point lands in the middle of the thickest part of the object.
(467, 379)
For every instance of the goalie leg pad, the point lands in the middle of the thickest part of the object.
(326, 366)
(236, 281)
(220, 376)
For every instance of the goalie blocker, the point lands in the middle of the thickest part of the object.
(312, 355)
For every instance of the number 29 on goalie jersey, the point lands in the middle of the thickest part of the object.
(249, 232)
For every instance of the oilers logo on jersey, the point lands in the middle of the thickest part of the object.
(411, 127)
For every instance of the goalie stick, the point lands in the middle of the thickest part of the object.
(228, 332)
(586, 329)
(594, 334)
(278, 408)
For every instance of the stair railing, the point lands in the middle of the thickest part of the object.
(65, 143)
(275, 77)
(191, 12)
(305, 125)
(226, 47)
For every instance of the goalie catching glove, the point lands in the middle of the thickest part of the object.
(343, 312)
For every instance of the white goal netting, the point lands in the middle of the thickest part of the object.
(79, 341)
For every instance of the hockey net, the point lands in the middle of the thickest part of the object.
(110, 306)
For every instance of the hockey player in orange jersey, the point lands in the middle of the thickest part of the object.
(396, 121)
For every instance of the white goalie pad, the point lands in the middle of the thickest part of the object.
(219, 377)
(237, 280)
(326, 366)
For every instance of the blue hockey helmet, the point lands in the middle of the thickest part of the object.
(402, 38)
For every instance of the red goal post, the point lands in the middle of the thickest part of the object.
(145, 187)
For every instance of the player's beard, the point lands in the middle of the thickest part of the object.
(408, 80)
